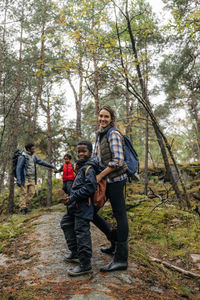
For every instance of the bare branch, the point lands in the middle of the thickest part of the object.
(180, 270)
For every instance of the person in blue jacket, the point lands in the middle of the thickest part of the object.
(80, 209)
(26, 174)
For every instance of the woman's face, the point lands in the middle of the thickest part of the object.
(104, 118)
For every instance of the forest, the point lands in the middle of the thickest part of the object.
(60, 61)
(56, 55)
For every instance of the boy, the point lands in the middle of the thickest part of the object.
(68, 174)
(76, 223)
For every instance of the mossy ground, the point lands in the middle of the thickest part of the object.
(164, 231)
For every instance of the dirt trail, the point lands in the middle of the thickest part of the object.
(40, 272)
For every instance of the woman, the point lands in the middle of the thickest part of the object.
(109, 150)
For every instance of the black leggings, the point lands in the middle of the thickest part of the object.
(115, 193)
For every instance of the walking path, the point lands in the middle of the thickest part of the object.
(40, 272)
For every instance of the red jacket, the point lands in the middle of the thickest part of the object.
(68, 173)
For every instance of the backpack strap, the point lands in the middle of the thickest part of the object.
(115, 129)
(109, 131)
(88, 167)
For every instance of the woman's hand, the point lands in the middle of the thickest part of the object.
(104, 173)
(99, 177)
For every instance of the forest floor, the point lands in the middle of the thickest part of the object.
(33, 268)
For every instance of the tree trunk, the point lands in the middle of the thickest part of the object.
(49, 151)
(128, 125)
(79, 102)
(146, 179)
(4, 164)
(41, 69)
(49, 184)
(78, 98)
(2, 81)
(146, 81)
(96, 90)
(195, 112)
(2, 61)
(2, 175)
(16, 115)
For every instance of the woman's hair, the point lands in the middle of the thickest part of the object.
(68, 156)
(86, 143)
(111, 111)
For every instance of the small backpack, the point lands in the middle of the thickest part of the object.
(16, 154)
(130, 156)
(99, 198)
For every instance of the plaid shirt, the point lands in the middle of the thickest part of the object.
(116, 147)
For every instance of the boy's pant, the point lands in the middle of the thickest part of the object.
(78, 238)
(67, 185)
(26, 193)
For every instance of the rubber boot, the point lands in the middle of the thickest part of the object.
(112, 237)
(80, 270)
(120, 260)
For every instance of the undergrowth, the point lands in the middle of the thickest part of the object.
(164, 231)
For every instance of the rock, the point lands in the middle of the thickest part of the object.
(157, 290)
(195, 257)
(3, 260)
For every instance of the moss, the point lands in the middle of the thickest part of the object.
(26, 294)
(185, 291)
(172, 231)
(12, 227)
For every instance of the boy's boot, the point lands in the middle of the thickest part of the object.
(120, 260)
(112, 237)
(71, 257)
(80, 270)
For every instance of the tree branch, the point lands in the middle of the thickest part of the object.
(175, 268)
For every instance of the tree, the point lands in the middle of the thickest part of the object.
(181, 79)
(142, 98)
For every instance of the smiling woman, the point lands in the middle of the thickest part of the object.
(110, 153)
(104, 118)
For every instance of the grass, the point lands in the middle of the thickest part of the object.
(11, 228)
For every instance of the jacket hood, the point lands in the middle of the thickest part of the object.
(97, 165)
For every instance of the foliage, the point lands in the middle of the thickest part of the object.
(54, 52)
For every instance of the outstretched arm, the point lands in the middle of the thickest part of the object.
(43, 163)
(59, 170)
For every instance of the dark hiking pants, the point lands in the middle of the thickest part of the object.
(67, 185)
(78, 238)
